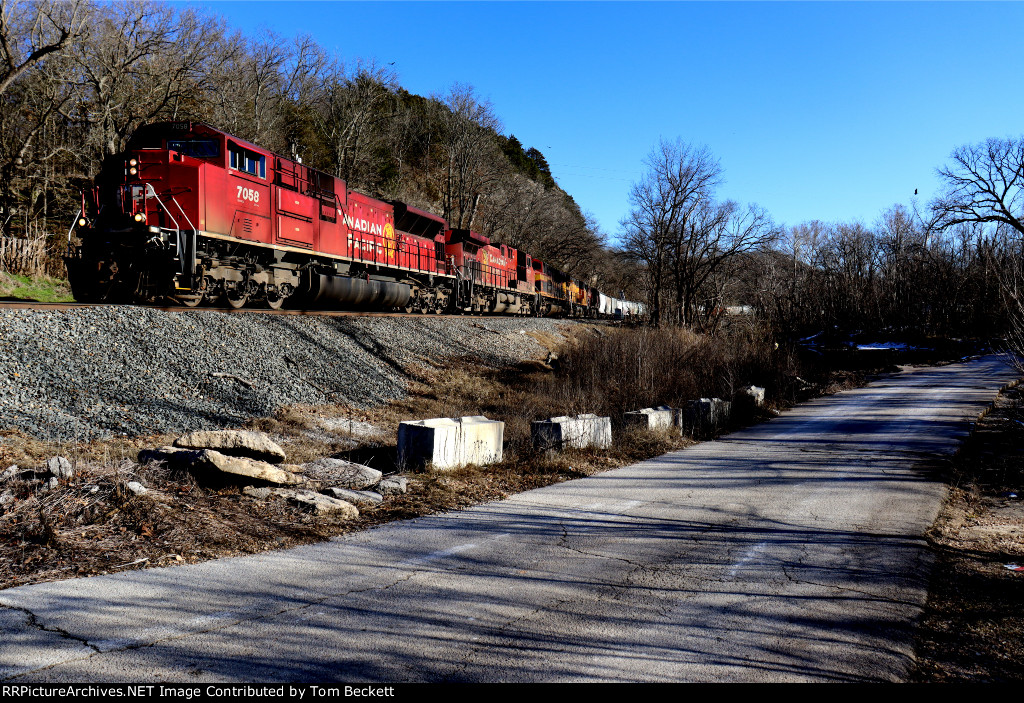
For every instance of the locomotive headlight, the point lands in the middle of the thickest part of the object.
(133, 162)
(140, 217)
(133, 170)
(81, 222)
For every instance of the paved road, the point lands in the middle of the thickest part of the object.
(790, 551)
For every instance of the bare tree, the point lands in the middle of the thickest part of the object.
(351, 116)
(141, 61)
(34, 39)
(473, 163)
(679, 178)
(713, 235)
(984, 187)
(985, 183)
(30, 139)
(31, 31)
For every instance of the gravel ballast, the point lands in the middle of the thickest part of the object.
(89, 373)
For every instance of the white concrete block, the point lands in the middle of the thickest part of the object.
(753, 395)
(658, 418)
(580, 431)
(448, 443)
(704, 415)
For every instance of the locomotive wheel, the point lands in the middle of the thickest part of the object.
(440, 301)
(238, 302)
(275, 303)
(189, 301)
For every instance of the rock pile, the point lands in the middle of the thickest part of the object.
(323, 486)
(53, 471)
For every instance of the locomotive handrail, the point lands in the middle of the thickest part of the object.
(341, 206)
(151, 189)
(79, 214)
(179, 249)
(183, 213)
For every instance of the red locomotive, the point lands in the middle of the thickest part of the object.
(191, 213)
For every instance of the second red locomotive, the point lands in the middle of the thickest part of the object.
(191, 213)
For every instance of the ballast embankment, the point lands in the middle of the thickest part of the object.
(90, 373)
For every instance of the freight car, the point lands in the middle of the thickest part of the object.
(191, 213)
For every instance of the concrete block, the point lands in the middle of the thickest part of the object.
(748, 401)
(448, 443)
(662, 417)
(756, 395)
(580, 431)
(704, 415)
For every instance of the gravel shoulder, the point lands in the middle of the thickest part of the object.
(98, 385)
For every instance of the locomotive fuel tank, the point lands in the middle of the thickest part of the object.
(333, 291)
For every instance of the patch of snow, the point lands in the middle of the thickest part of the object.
(891, 346)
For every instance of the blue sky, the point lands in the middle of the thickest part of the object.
(831, 111)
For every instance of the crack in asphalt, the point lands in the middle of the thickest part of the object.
(33, 622)
(173, 633)
(876, 597)
(565, 537)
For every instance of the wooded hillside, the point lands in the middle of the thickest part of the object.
(77, 78)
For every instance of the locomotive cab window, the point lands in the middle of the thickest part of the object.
(199, 148)
(247, 161)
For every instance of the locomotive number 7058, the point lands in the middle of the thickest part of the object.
(248, 194)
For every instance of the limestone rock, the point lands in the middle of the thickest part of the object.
(59, 467)
(756, 395)
(6, 498)
(341, 473)
(446, 443)
(9, 473)
(320, 504)
(209, 461)
(355, 497)
(749, 400)
(700, 417)
(578, 431)
(658, 418)
(136, 488)
(168, 454)
(254, 445)
(395, 485)
(260, 493)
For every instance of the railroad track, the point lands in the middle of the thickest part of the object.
(33, 305)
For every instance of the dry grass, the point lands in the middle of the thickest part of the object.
(631, 369)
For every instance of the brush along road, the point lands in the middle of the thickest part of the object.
(789, 551)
